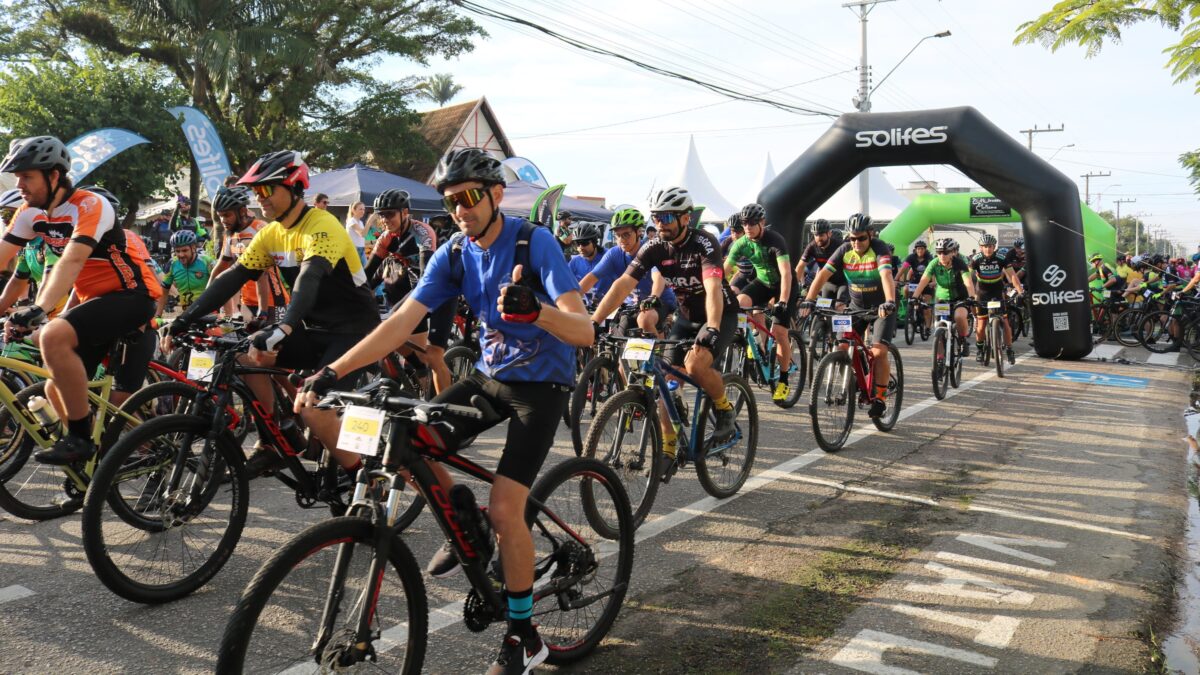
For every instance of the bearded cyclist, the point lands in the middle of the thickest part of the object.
(817, 253)
(991, 272)
(189, 270)
(652, 296)
(868, 269)
(586, 236)
(265, 298)
(954, 285)
(690, 260)
(767, 251)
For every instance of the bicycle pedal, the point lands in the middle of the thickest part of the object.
(672, 467)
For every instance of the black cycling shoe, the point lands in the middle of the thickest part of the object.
(669, 469)
(519, 655)
(1012, 357)
(966, 349)
(67, 450)
(263, 462)
(878, 407)
(725, 425)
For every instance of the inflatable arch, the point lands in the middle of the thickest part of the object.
(1047, 200)
(970, 208)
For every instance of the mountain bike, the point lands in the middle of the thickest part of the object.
(993, 335)
(817, 338)
(845, 380)
(914, 321)
(327, 601)
(948, 348)
(602, 377)
(626, 433)
(759, 364)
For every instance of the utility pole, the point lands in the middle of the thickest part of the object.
(1087, 184)
(1119, 202)
(1036, 130)
(862, 102)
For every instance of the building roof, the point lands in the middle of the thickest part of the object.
(457, 126)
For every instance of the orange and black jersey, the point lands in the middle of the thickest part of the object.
(113, 265)
(236, 244)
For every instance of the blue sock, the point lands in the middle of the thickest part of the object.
(520, 609)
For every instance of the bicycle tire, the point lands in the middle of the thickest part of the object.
(1126, 329)
(15, 443)
(126, 553)
(910, 329)
(895, 391)
(1191, 338)
(996, 331)
(956, 363)
(828, 393)
(712, 463)
(640, 482)
(300, 568)
(797, 372)
(941, 368)
(560, 491)
(1155, 335)
(985, 354)
(32, 490)
(589, 395)
(165, 397)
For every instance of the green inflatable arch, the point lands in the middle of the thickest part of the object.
(981, 207)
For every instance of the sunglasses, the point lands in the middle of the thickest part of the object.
(861, 237)
(388, 213)
(755, 223)
(263, 191)
(466, 198)
(664, 218)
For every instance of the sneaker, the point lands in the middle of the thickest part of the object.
(725, 425)
(519, 656)
(444, 564)
(1173, 348)
(966, 349)
(1012, 357)
(878, 407)
(67, 450)
(263, 462)
(782, 391)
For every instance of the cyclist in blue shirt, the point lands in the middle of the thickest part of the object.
(652, 294)
(587, 239)
(531, 320)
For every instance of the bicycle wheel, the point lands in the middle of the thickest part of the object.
(15, 444)
(722, 468)
(625, 435)
(596, 384)
(941, 367)
(30, 489)
(1014, 321)
(278, 624)
(1191, 338)
(985, 354)
(797, 371)
(1126, 329)
(956, 362)
(832, 401)
(460, 359)
(581, 575)
(895, 391)
(152, 536)
(910, 328)
(154, 400)
(1156, 332)
(996, 335)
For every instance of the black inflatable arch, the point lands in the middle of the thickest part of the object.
(1056, 264)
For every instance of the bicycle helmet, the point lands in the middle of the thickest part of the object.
(753, 213)
(954, 245)
(1019, 242)
(920, 244)
(11, 199)
(1157, 259)
(1196, 257)
(585, 232)
(859, 222)
(987, 240)
(1095, 257)
(283, 167)
(392, 199)
(36, 153)
(671, 199)
(183, 238)
(564, 215)
(1138, 260)
(101, 192)
(944, 245)
(464, 165)
(231, 198)
(628, 218)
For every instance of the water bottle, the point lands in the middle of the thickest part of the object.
(294, 435)
(472, 520)
(43, 411)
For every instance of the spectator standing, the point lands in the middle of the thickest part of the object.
(321, 201)
(355, 227)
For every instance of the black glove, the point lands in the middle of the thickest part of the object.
(598, 330)
(888, 307)
(28, 318)
(518, 304)
(780, 312)
(260, 321)
(652, 302)
(268, 339)
(708, 338)
(322, 383)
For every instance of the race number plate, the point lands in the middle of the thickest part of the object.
(200, 365)
(942, 310)
(824, 303)
(638, 349)
(1147, 294)
(361, 429)
(842, 323)
(912, 288)
(993, 304)
(742, 322)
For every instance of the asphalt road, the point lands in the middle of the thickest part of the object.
(1038, 517)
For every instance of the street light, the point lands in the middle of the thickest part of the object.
(1060, 150)
(942, 34)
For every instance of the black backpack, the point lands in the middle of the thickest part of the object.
(520, 257)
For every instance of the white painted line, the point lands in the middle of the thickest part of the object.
(993, 565)
(1106, 351)
(996, 632)
(1004, 545)
(10, 593)
(1057, 521)
(865, 653)
(955, 581)
(837, 485)
(1169, 359)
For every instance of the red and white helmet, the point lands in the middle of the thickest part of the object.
(283, 167)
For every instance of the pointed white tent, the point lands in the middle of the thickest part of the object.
(886, 203)
(766, 176)
(695, 179)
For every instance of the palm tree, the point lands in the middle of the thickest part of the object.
(439, 88)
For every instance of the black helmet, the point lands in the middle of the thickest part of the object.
(859, 222)
(753, 213)
(987, 240)
(819, 226)
(101, 192)
(468, 164)
(36, 153)
(920, 244)
(392, 199)
(735, 223)
(231, 198)
(586, 231)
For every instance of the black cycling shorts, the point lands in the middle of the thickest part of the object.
(533, 411)
(883, 330)
(835, 292)
(628, 321)
(308, 349)
(739, 281)
(131, 362)
(687, 330)
(101, 321)
(989, 292)
(441, 323)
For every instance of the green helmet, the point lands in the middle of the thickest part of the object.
(628, 218)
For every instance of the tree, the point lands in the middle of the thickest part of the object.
(1092, 23)
(69, 99)
(440, 88)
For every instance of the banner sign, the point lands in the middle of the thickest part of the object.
(545, 207)
(206, 147)
(526, 171)
(989, 207)
(96, 147)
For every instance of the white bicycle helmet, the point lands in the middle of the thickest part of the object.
(673, 199)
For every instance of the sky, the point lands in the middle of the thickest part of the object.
(1121, 111)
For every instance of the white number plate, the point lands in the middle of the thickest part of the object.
(1147, 294)
(842, 323)
(824, 303)
(361, 429)
(638, 349)
(942, 310)
(200, 365)
(742, 322)
(993, 304)
(912, 288)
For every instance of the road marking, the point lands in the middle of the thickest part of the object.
(10, 593)
(837, 485)
(1090, 404)
(865, 653)
(1004, 544)
(1086, 377)
(996, 632)
(1057, 521)
(1106, 351)
(1169, 359)
(955, 581)
(993, 565)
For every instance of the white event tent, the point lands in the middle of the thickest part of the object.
(704, 193)
(886, 203)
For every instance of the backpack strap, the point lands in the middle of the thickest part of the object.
(521, 256)
(456, 263)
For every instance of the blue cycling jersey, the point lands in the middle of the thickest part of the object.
(613, 265)
(580, 266)
(509, 352)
